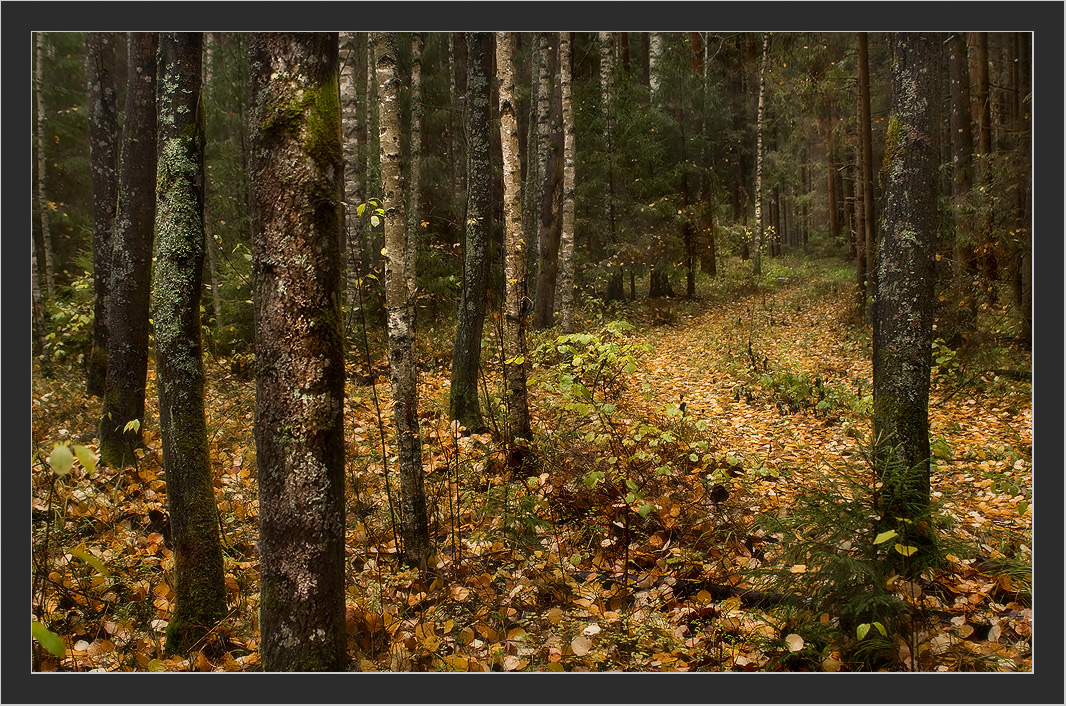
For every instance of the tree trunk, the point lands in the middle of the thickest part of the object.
(399, 302)
(42, 161)
(962, 149)
(655, 55)
(211, 42)
(200, 593)
(832, 177)
(1023, 287)
(862, 264)
(353, 75)
(983, 118)
(757, 260)
(516, 253)
(566, 237)
(551, 162)
(100, 70)
(297, 163)
(903, 310)
(867, 160)
(607, 83)
(470, 321)
(131, 262)
(37, 307)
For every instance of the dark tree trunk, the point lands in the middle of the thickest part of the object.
(862, 248)
(983, 119)
(1023, 285)
(849, 220)
(100, 69)
(645, 59)
(659, 285)
(616, 290)
(297, 176)
(965, 266)
(200, 593)
(903, 311)
(131, 262)
(831, 192)
(466, 356)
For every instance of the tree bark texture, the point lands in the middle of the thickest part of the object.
(903, 310)
(200, 594)
(550, 135)
(211, 46)
(757, 258)
(297, 177)
(516, 255)
(100, 70)
(131, 260)
(655, 55)
(399, 302)
(414, 176)
(470, 321)
(566, 236)
(982, 116)
(962, 148)
(607, 91)
(867, 160)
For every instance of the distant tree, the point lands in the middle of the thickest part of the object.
(131, 261)
(40, 54)
(516, 254)
(100, 70)
(866, 161)
(470, 320)
(566, 236)
(757, 259)
(965, 264)
(549, 190)
(903, 310)
(982, 117)
(200, 592)
(297, 171)
(400, 251)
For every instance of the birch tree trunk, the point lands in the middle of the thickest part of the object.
(655, 55)
(550, 138)
(131, 262)
(399, 301)
(200, 592)
(903, 310)
(297, 164)
(42, 162)
(353, 66)
(757, 259)
(100, 70)
(211, 44)
(516, 254)
(566, 237)
(607, 78)
(470, 321)
(414, 178)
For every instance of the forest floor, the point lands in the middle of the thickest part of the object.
(695, 502)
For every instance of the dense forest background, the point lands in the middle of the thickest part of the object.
(689, 317)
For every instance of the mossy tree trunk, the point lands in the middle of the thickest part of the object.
(200, 594)
(399, 302)
(470, 322)
(903, 310)
(297, 176)
(566, 235)
(131, 261)
(100, 70)
(516, 257)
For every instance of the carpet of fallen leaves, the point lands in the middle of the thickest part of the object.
(763, 391)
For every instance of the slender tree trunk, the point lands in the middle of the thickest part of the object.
(42, 160)
(903, 310)
(962, 149)
(607, 89)
(983, 118)
(470, 321)
(849, 221)
(1024, 189)
(866, 157)
(399, 301)
(414, 174)
(38, 308)
(211, 42)
(645, 58)
(757, 260)
(100, 70)
(131, 262)
(200, 593)
(655, 55)
(551, 164)
(297, 178)
(516, 254)
(862, 249)
(353, 68)
(566, 237)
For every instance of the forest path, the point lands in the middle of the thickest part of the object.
(981, 437)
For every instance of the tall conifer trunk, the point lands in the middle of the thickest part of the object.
(566, 237)
(131, 262)
(867, 160)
